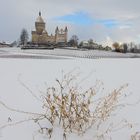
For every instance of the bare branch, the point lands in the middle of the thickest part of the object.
(19, 111)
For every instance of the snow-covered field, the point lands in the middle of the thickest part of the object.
(38, 74)
(61, 54)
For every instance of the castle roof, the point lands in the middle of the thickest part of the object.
(40, 19)
(44, 32)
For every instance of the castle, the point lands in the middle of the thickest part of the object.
(41, 36)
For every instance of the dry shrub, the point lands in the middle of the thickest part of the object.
(74, 110)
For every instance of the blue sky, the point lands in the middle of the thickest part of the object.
(79, 18)
(84, 19)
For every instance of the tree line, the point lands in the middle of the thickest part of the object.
(89, 44)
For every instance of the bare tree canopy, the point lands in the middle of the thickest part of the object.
(24, 37)
(74, 40)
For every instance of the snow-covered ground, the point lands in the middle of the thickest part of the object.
(61, 53)
(38, 74)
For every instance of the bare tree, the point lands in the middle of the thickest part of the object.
(125, 47)
(74, 41)
(91, 42)
(24, 37)
(116, 46)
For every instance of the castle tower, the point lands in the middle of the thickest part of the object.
(61, 35)
(56, 34)
(66, 34)
(39, 24)
(56, 30)
(41, 37)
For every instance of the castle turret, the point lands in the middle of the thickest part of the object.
(66, 34)
(39, 24)
(66, 29)
(56, 30)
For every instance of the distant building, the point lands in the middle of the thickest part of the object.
(41, 36)
(3, 45)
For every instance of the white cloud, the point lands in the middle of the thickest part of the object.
(125, 27)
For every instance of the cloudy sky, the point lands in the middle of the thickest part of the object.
(103, 20)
